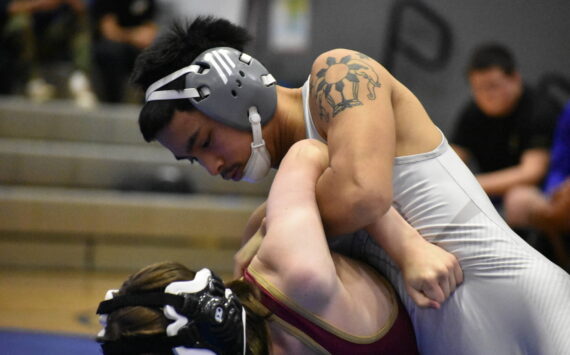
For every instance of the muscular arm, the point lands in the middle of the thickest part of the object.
(531, 169)
(351, 96)
(294, 254)
(294, 248)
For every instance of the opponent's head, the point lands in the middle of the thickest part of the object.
(152, 315)
(495, 82)
(203, 68)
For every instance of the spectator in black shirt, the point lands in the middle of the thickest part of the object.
(507, 129)
(122, 30)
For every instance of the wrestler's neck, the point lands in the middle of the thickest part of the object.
(287, 125)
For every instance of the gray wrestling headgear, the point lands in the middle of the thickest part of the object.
(204, 314)
(232, 88)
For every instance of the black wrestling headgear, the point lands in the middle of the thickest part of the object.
(205, 315)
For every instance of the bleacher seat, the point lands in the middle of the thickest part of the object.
(68, 197)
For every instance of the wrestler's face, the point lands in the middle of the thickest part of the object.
(495, 92)
(220, 149)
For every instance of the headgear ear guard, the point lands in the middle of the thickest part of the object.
(228, 86)
(205, 315)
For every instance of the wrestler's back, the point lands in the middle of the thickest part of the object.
(364, 309)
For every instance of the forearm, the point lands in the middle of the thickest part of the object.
(430, 273)
(498, 182)
(531, 169)
(393, 233)
(31, 6)
(347, 206)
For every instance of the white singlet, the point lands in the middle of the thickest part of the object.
(512, 301)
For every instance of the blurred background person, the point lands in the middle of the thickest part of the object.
(10, 50)
(506, 129)
(47, 43)
(121, 30)
(547, 210)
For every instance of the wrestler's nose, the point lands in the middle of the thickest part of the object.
(212, 163)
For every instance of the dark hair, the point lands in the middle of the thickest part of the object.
(175, 50)
(130, 322)
(492, 55)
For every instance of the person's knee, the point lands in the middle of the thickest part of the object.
(519, 203)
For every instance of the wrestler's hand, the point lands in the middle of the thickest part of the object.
(246, 253)
(430, 273)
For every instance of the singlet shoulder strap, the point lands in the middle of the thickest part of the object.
(310, 127)
(261, 306)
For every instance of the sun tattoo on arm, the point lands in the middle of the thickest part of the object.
(337, 85)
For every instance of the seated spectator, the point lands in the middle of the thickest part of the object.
(506, 130)
(548, 210)
(122, 29)
(52, 32)
(10, 51)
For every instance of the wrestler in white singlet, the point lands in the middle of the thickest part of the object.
(512, 301)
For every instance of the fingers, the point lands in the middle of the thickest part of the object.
(422, 300)
(435, 291)
(246, 253)
(238, 271)
(458, 272)
(455, 274)
(451, 278)
(447, 285)
(238, 266)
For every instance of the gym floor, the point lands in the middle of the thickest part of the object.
(54, 301)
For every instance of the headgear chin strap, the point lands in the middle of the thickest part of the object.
(259, 162)
(225, 84)
(205, 315)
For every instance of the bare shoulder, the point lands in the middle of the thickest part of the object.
(344, 78)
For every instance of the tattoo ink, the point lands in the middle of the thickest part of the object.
(338, 84)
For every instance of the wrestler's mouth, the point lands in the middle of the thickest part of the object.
(233, 173)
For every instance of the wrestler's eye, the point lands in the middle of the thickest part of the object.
(206, 144)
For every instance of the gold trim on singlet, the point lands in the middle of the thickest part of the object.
(291, 304)
(260, 309)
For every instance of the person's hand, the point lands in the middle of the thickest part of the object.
(555, 217)
(430, 274)
(111, 30)
(142, 37)
(246, 253)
